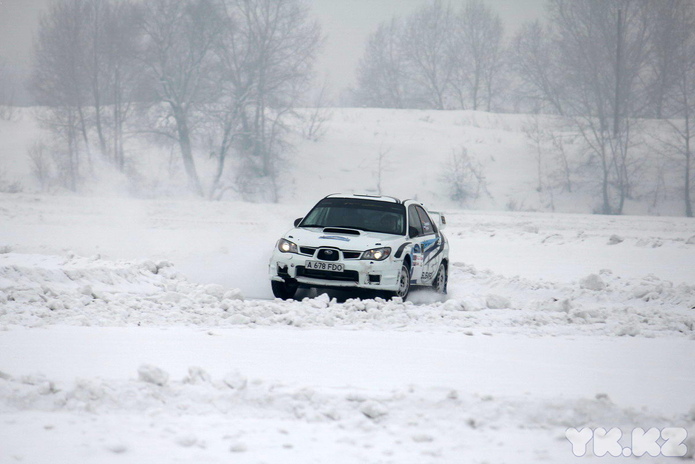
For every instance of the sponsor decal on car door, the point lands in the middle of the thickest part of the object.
(418, 251)
(432, 246)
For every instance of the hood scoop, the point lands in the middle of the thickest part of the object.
(340, 230)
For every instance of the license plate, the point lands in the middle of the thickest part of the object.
(322, 266)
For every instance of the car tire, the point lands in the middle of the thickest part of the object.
(441, 280)
(403, 283)
(284, 290)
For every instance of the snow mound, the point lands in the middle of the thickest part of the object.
(592, 282)
(38, 290)
(263, 399)
(152, 374)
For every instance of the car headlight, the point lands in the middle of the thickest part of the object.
(286, 246)
(377, 254)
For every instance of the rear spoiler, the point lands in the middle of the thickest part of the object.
(439, 218)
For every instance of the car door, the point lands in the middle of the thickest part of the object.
(415, 234)
(432, 246)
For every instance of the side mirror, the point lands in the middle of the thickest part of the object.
(297, 221)
(412, 232)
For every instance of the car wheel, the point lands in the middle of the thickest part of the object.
(441, 280)
(403, 283)
(283, 290)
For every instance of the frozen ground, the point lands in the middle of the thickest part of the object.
(144, 331)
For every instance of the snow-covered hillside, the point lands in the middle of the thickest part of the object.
(144, 331)
(415, 147)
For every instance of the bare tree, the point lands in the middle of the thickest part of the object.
(426, 47)
(41, 166)
(564, 171)
(537, 135)
(381, 157)
(113, 70)
(59, 82)
(603, 46)
(82, 50)
(476, 53)
(7, 91)
(318, 114)
(268, 67)
(179, 38)
(534, 60)
(381, 75)
(666, 41)
(681, 101)
(463, 177)
(435, 58)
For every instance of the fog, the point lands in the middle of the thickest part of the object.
(206, 84)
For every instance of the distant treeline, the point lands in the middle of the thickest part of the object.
(227, 71)
(601, 64)
(227, 75)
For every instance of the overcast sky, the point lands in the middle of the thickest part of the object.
(346, 25)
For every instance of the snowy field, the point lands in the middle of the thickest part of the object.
(144, 331)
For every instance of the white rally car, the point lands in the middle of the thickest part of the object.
(363, 242)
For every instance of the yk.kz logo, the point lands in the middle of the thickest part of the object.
(654, 442)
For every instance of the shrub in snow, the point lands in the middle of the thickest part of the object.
(152, 374)
(615, 239)
(373, 410)
(592, 282)
(691, 240)
(463, 177)
(497, 302)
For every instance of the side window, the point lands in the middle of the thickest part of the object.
(414, 221)
(427, 226)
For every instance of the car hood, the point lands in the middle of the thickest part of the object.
(315, 237)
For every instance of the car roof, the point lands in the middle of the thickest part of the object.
(367, 196)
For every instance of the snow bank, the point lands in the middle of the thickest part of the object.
(405, 422)
(37, 290)
(215, 395)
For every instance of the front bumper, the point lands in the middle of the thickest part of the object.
(364, 274)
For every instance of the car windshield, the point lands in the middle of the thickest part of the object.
(355, 213)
